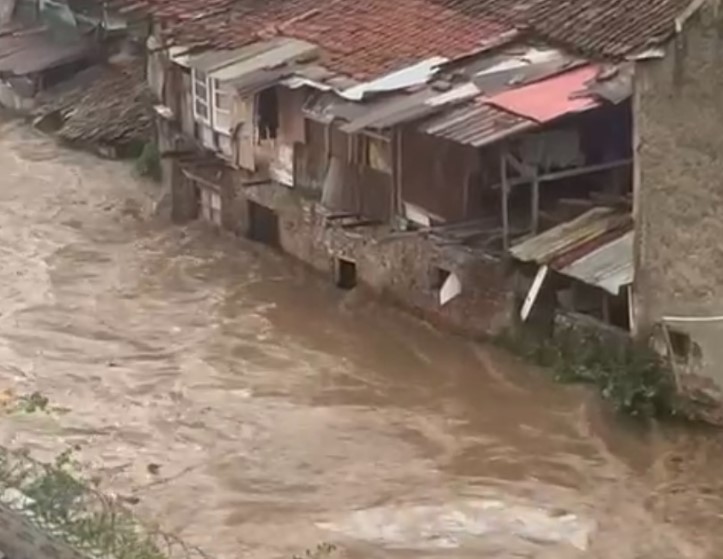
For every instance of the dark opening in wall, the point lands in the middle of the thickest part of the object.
(195, 210)
(263, 225)
(684, 349)
(268, 113)
(439, 276)
(345, 274)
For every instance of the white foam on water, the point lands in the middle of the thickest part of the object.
(424, 527)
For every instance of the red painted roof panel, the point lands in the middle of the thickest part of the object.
(549, 99)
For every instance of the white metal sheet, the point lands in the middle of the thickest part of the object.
(264, 56)
(609, 267)
(417, 74)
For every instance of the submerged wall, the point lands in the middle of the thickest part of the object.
(405, 269)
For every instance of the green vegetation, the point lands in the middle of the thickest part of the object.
(631, 376)
(34, 402)
(320, 552)
(148, 161)
(53, 499)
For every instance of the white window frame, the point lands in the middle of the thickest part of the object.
(219, 114)
(200, 79)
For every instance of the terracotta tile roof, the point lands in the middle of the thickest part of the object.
(373, 37)
(104, 104)
(611, 28)
(608, 28)
(362, 39)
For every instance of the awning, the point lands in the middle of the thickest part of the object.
(595, 248)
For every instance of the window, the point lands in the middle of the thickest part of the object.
(268, 114)
(378, 154)
(345, 273)
(221, 109)
(201, 97)
(439, 277)
(684, 349)
(263, 224)
(210, 206)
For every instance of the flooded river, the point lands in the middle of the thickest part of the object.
(252, 409)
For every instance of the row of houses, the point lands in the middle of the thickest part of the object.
(480, 162)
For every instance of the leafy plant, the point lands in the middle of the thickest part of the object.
(631, 376)
(34, 402)
(148, 163)
(52, 498)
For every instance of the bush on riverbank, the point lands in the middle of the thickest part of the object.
(631, 376)
(148, 161)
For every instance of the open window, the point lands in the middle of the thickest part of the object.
(221, 108)
(446, 284)
(683, 349)
(201, 97)
(267, 109)
(378, 154)
(263, 225)
(345, 273)
(438, 277)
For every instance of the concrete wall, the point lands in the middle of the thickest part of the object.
(403, 269)
(679, 180)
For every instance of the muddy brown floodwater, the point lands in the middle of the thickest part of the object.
(255, 411)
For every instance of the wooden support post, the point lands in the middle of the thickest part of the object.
(505, 203)
(535, 204)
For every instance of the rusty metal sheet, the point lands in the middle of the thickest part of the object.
(595, 248)
(553, 243)
(609, 267)
(475, 124)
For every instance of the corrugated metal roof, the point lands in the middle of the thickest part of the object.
(415, 75)
(475, 124)
(391, 111)
(617, 87)
(551, 98)
(276, 53)
(327, 106)
(609, 267)
(595, 247)
(207, 61)
(34, 50)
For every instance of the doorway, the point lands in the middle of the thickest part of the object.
(263, 225)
